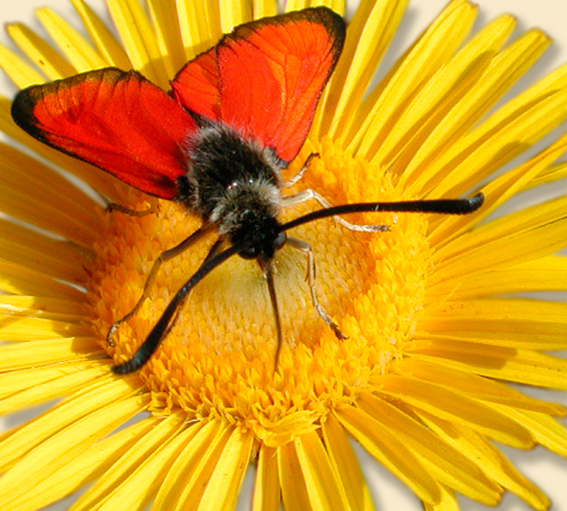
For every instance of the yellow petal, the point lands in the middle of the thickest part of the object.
(233, 13)
(91, 464)
(61, 446)
(368, 36)
(267, 486)
(39, 52)
(42, 384)
(133, 480)
(430, 165)
(81, 55)
(428, 55)
(112, 53)
(345, 465)
(323, 487)
(531, 324)
(510, 364)
(444, 463)
(138, 37)
(224, 484)
(384, 444)
(18, 70)
(544, 274)
(294, 489)
(170, 45)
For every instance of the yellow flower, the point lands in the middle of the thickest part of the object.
(432, 309)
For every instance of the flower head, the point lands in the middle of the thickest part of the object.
(431, 309)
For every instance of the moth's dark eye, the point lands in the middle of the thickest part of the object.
(249, 252)
(280, 240)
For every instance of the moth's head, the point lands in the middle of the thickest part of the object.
(259, 235)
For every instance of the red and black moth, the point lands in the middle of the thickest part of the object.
(235, 117)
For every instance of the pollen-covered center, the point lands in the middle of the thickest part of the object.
(218, 356)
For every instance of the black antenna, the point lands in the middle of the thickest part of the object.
(273, 298)
(442, 206)
(148, 347)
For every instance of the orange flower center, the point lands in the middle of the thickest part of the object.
(218, 357)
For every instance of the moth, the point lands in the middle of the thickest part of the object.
(217, 142)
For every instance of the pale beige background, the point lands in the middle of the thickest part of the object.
(547, 470)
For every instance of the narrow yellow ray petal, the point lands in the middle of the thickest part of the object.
(129, 462)
(57, 382)
(139, 39)
(496, 193)
(323, 485)
(264, 8)
(192, 494)
(266, 486)
(520, 237)
(40, 53)
(35, 193)
(482, 389)
(42, 306)
(224, 484)
(17, 70)
(448, 502)
(519, 124)
(200, 25)
(54, 258)
(549, 175)
(514, 365)
(22, 356)
(91, 464)
(544, 274)
(530, 324)
(493, 463)
(520, 133)
(293, 485)
(504, 70)
(25, 329)
(431, 52)
(18, 279)
(384, 444)
(13, 383)
(545, 430)
(29, 205)
(445, 463)
(295, 5)
(201, 438)
(165, 18)
(452, 405)
(368, 36)
(93, 398)
(64, 445)
(441, 94)
(111, 51)
(144, 478)
(233, 13)
(144, 481)
(345, 465)
(80, 53)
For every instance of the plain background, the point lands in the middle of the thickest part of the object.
(547, 470)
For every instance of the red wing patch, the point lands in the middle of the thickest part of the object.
(265, 78)
(116, 120)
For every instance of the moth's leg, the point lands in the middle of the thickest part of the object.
(163, 257)
(306, 249)
(309, 194)
(294, 179)
(113, 206)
